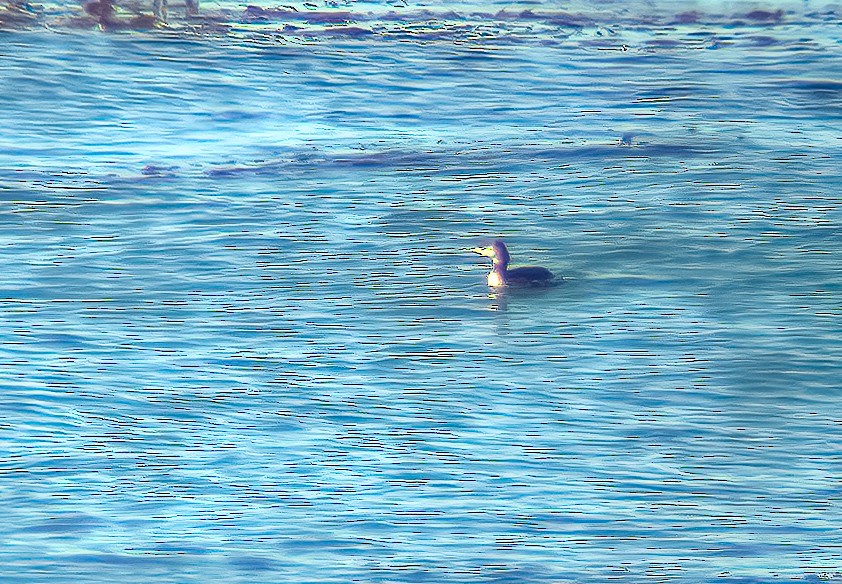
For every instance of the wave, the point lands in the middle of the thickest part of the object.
(444, 161)
(295, 23)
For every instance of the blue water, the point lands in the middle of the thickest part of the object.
(243, 338)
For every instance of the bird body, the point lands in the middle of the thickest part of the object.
(501, 276)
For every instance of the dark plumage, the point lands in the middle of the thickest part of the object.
(529, 276)
(501, 275)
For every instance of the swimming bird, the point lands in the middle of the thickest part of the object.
(501, 275)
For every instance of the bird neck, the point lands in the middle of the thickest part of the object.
(496, 279)
(497, 275)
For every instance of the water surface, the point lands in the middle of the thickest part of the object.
(242, 337)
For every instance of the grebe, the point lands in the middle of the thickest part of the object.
(501, 275)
